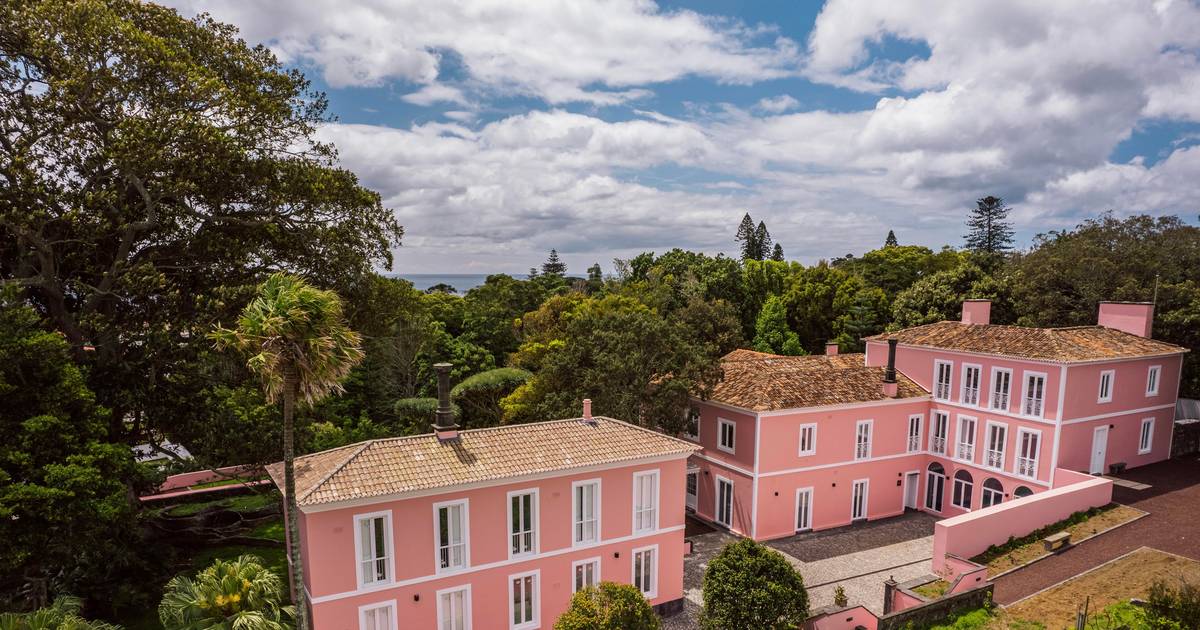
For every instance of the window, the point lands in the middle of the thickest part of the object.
(724, 511)
(725, 430)
(937, 432)
(858, 503)
(373, 541)
(808, 439)
(1106, 386)
(941, 379)
(970, 385)
(450, 522)
(1022, 492)
(965, 449)
(914, 433)
(1035, 393)
(1152, 376)
(645, 501)
(693, 490)
(587, 573)
(862, 440)
(523, 595)
(1001, 384)
(1027, 453)
(935, 484)
(586, 508)
(522, 519)
(377, 616)
(645, 571)
(997, 438)
(993, 493)
(691, 424)
(1146, 437)
(804, 509)
(454, 608)
(963, 486)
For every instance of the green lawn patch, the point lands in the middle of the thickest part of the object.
(240, 503)
(932, 590)
(271, 530)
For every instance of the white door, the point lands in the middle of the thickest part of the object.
(690, 499)
(935, 485)
(858, 505)
(1099, 449)
(724, 502)
(911, 481)
(804, 509)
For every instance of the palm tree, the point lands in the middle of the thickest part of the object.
(299, 345)
(63, 614)
(228, 594)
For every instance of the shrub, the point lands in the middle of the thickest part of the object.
(228, 594)
(63, 614)
(608, 606)
(839, 597)
(1181, 604)
(748, 585)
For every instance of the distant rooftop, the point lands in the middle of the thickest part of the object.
(1068, 345)
(758, 381)
(392, 466)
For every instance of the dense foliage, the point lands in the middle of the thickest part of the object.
(608, 606)
(62, 614)
(235, 594)
(750, 585)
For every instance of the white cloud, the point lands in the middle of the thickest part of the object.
(777, 104)
(436, 93)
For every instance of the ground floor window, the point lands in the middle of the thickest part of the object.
(724, 512)
(858, 505)
(523, 598)
(963, 487)
(454, 608)
(377, 616)
(993, 493)
(804, 509)
(935, 486)
(1022, 491)
(587, 573)
(645, 571)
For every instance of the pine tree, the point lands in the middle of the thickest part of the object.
(891, 241)
(762, 241)
(553, 266)
(594, 273)
(745, 236)
(778, 253)
(990, 233)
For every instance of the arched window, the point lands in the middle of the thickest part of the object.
(1021, 491)
(993, 492)
(963, 486)
(937, 468)
(935, 484)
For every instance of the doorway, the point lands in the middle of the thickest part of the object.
(935, 487)
(911, 481)
(692, 490)
(724, 501)
(1099, 450)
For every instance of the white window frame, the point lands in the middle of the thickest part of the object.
(1153, 380)
(861, 454)
(365, 608)
(937, 363)
(537, 600)
(535, 507)
(1146, 437)
(1107, 377)
(653, 592)
(389, 557)
(934, 417)
(721, 424)
(1025, 378)
(958, 438)
(812, 440)
(913, 444)
(654, 511)
(985, 492)
(717, 501)
(594, 562)
(575, 510)
(996, 372)
(866, 495)
(687, 424)
(1036, 459)
(804, 491)
(987, 445)
(441, 611)
(955, 494)
(962, 386)
(466, 535)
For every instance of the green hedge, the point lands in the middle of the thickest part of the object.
(993, 551)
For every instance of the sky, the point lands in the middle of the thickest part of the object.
(497, 130)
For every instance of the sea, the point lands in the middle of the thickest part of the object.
(462, 282)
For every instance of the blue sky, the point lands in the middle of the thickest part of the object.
(498, 130)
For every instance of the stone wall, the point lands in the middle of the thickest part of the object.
(1186, 439)
(937, 610)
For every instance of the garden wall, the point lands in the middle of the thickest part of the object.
(189, 479)
(970, 534)
(834, 618)
(935, 611)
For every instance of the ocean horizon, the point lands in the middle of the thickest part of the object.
(462, 282)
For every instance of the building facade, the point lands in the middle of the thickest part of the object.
(944, 418)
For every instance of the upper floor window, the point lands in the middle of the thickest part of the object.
(808, 439)
(645, 570)
(1001, 385)
(725, 434)
(914, 433)
(522, 519)
(937, 432)
(966, 439)
(377, 617)
(691, 423)
(997, 439)
(1152, 376)
(1106, 386)
(941, 379)
(645, 501)
(862, 441)
(373, 539)
(1035, 394)
(970, 385)
(451, 525)
(1146, 437)
(586, 510)
(523, 599)
(454, 608)
(1027, 453)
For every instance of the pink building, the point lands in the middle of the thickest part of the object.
(490, 528)
(945, 418)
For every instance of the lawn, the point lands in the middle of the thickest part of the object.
(239, 503)
(932, 590)
(1106, 518)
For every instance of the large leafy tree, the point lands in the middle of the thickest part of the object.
(146, 160)
(939, 297)
(237, 594)
(608, 606)
(750, 585)
(771, 332)
(298, 344)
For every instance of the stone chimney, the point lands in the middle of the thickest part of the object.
(977, 312)
(1135, 318)
(891, 388)
(444, 425)
(587, 410)
(831, 348)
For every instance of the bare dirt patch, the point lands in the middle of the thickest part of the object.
(1021, 556)
(1124, 578)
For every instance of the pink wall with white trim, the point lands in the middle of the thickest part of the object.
(848, 619)
(710, 416)
(1129, 386)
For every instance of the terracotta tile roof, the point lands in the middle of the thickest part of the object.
(1073, 344)
(406, 464)
(765, 382)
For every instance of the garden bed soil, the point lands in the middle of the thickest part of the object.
(932, 590)
(1124, 578)
(1109, 519)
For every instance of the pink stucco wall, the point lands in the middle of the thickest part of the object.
(848, 619)
(903, 601)
(186, 480)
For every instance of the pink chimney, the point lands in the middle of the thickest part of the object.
(977, 312)
(1135, 318)
(831, 348)
(587, 409)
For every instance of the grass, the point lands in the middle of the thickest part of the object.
(217, 483)
(932, 590)
(271, 530)
(274, 558)
(240, 503)
(1021, 551)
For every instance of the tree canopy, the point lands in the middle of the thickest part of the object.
(750, 585)
(608, 606)
(989, 231)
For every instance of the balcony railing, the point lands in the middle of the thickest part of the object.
(970, 396)
(914, 443)
(1026, 467)
(994, 459)
(937, 445)
(941, 391)
(862, 450)
(999, 400)
(965, 451)
(1033, 406)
